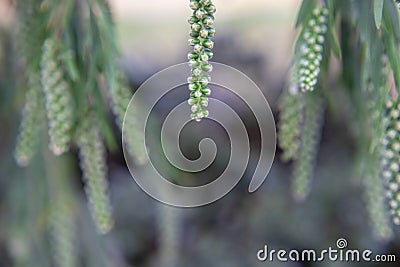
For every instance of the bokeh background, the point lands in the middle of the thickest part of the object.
(254, 36)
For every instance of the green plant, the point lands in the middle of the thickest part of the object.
(369, 56)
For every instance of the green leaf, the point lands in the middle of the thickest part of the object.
(391, 14)
(393, 55)
(305, 11)
(378, 9)
(331, 34)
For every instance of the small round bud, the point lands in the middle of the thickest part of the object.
(194, 34)
(211, 32)
(193, 19)
(193, 41)
(207, 67)
(206, 91)
(198, 48)
(194, 4)
(204, 57)
(210, 8)
(199, 13)
(195, 108)
(196, 27)
(208, 21)
(208, 44)
(193, 56)
(204, 80)
(193, 86)
(203, 33)
(196, 72)
(194, 63)
(192, 101)
(197, 94)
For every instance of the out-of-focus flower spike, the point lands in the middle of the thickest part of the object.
(290, 120)
(390, 157)
(120, 95)
(310, 137)
(58, 99)
(27, 139)
(93, 165)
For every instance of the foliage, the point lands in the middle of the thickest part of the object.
(369, 56)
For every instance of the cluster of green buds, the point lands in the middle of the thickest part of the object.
(312, 47)
(201, 31)
(391, 158)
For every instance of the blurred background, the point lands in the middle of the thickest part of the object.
(254, 36)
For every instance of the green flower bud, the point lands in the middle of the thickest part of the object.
(193, 56)
(203, 33)
(208, 20)
(198, 48)
(206, 91)
(196, 27)
(194, 4)
(208, 44)
(193, 41)
(206, 67)
(193, 19)
(210, 8)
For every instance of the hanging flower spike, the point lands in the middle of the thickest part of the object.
(59, 103)
(308, 148)
(120, 95)
(29, 129)
(291, 118)
(201, 31)
(63, 234)
(312, 48)
(391, 158)
(93, 165)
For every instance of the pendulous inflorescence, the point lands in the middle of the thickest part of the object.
(202, 30)
(58, 99)
(30, 125)
(390, 163)
(311, 48)
(291, 118)
(93, 165)
(308, 147)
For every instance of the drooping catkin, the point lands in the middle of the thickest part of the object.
(169, 223)
(290, 121)
(376, 205)
(93, 165)
(311, 48)
(310, 137)
(120, 95)
(63, 233)
(32, 114)
(58, 99)
(390, 162)
(201, 24)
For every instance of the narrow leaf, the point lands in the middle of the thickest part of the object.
(305, 11)
(378, 8)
